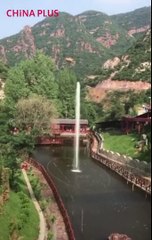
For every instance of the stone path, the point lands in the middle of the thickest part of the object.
(42, 227)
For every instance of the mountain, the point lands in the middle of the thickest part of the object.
(106, 31)
(67, 40)
(64, 38)
(131, 71)
(135, 22)
(136, 63)
(83, 42)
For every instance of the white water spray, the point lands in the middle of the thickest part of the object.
(77, 130)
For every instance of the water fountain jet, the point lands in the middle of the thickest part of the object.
(77, 131)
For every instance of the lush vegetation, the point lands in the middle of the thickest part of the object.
(18, 216)
(135, 64)
(135, 19)
(114, 107)
(109, 29)
(35, 76)
(76, 37)
(35, 93)
(25, 113)
(126, 145)
(3, 71)
(123, 144)
(139, 57)
(37, 90)
(118, 104)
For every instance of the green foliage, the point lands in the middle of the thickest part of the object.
(25, 210)
(52, 219)
(76, 37)
(73, 42)
(125, 144)
(91, 111)
(67, 88)
(12, 221)
(50, 236)
(32, 76)
(118, 142)
(118, 104)
(3, 70)
(108, 29)
(33, 115)
(43, 204)
(135, 19)
(36, 186)
(139, 54)
(34, 112)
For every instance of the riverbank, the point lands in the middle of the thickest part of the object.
(54, 220)
(141, 182)
(129, 145)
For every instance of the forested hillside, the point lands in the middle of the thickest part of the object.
(137, 63)
(83, 48)
(134, 65)
(135, 22)
(83, 42)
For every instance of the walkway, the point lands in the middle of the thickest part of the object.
(42, 231)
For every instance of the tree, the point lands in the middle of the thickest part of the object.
(116, 112)
(34, 114)
(120, 103)
(3, 70)
(32, 118)
(36, 75)
(67, 89)
(91, 111)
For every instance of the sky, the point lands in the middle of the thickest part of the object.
(12, 25)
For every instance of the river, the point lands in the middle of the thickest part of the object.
(97, 200)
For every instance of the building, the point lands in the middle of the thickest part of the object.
(63, 131)
(128, 123)
(66, 127)
(136, 123)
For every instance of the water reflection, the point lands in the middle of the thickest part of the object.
(98, 202)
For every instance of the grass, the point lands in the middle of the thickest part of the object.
(123, 144)
(12, 212)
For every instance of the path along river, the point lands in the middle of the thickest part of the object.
(97, 200)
